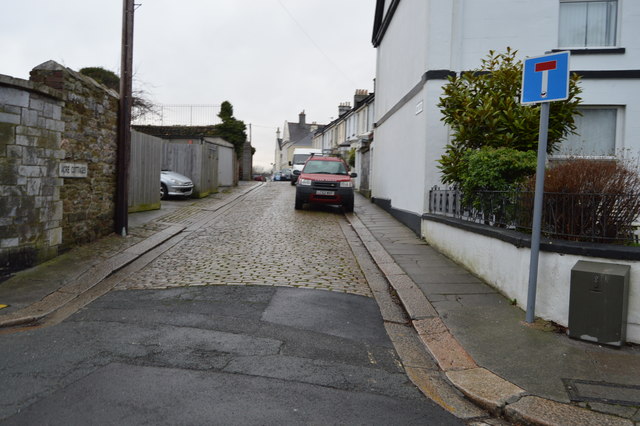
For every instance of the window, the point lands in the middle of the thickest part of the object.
(326, 167)
(596, 136)
(588, 23)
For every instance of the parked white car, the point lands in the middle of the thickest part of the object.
(172, 183)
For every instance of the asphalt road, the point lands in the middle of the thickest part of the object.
(269, 322)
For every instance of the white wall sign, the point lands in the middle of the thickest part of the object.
(74, 170)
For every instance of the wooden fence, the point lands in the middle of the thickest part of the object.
(197, 161)
(144, 172)
(150, 155)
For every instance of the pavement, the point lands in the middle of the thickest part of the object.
(523, 373)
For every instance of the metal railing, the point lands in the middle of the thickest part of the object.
(601, 218)
(181, 115)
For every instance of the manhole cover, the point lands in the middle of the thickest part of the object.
(608, 393)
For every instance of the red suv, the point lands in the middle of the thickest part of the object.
(325, 180)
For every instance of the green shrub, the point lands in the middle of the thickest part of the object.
(351, 158)
(496, 169)
(483, 109)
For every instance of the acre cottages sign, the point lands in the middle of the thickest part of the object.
(73, 170)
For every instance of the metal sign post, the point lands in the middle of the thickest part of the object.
(544, 79)
(537, 212)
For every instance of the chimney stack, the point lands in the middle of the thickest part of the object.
(302, 118)
(343, 108)
(360, 95)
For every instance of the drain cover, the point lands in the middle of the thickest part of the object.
(608, 393)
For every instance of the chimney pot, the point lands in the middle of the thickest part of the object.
(359, 96)
(343, 108)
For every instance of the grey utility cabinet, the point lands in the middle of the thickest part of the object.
(598, 302)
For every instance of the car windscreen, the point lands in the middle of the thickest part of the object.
(300, 158)
(326, 167)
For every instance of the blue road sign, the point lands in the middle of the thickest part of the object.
(545, 78)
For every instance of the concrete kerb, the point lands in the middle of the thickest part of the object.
(93, 275)
(481, 386)
(419, 366)
(86, 280)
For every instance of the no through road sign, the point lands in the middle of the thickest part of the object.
(545, 78)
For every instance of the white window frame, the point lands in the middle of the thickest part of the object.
(616, 23)
(618, 144)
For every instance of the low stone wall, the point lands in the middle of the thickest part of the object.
(503, 263)
(246, 162)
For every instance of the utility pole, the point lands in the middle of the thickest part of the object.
(124, 121)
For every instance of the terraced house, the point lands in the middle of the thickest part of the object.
(420, 43)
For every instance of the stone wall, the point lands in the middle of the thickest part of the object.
(31, 128)
(57, 119)
(246, 162)
(90, 136)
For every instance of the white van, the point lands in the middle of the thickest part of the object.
(300, 156)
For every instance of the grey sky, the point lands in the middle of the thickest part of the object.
(270, 58)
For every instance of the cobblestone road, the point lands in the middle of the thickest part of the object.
(262, 240)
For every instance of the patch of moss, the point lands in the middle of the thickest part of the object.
(144, 207)
(48, 140)
(7, 134)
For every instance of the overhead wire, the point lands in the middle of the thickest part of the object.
(327, 57)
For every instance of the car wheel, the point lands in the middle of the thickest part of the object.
(163, 191)
(299, 203)
(348, 207)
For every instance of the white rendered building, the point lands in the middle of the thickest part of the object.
(420, 43)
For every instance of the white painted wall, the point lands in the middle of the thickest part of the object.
(506, 268)
(399, 161)
(398, 167)
(436, 135)
(401, 57)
